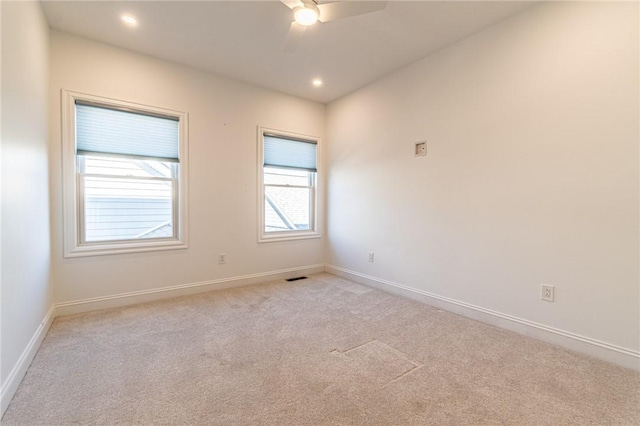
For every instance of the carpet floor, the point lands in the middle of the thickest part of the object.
(312, 352)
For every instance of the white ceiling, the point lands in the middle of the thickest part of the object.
(244, 39)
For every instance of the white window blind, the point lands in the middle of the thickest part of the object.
(289, 153)
(117, 132)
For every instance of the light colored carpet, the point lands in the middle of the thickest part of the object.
(312, 352)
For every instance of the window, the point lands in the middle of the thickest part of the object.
(125, 176)
(287, 174)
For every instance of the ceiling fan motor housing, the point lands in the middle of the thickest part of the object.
(307, 14)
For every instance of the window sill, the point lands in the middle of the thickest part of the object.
(287, 236)
(120, 248)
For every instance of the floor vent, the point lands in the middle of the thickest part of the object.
(297, 278)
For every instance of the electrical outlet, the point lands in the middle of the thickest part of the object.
(371, 257)
(547, 292)
(222, 258)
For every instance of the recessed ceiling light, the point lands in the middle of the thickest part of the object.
(129, 20)
(316, 82)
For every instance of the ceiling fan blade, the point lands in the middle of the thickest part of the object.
(291, 3)
(346, 9)
(296, 31)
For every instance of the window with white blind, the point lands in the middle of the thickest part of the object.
(125, 176)
(287, 178)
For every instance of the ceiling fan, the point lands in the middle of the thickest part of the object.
(309, 12)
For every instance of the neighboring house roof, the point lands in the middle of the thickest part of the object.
(164, 230)
(286, 209)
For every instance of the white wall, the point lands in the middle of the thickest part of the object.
(25, 263)
(531, 175)
(223, 116)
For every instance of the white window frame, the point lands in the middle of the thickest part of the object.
(314, 231)
(71, 183)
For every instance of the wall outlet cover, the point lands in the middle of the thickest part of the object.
(547, 292)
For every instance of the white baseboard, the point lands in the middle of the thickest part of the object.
(124, 299)
(22, 365)
(585, 345)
